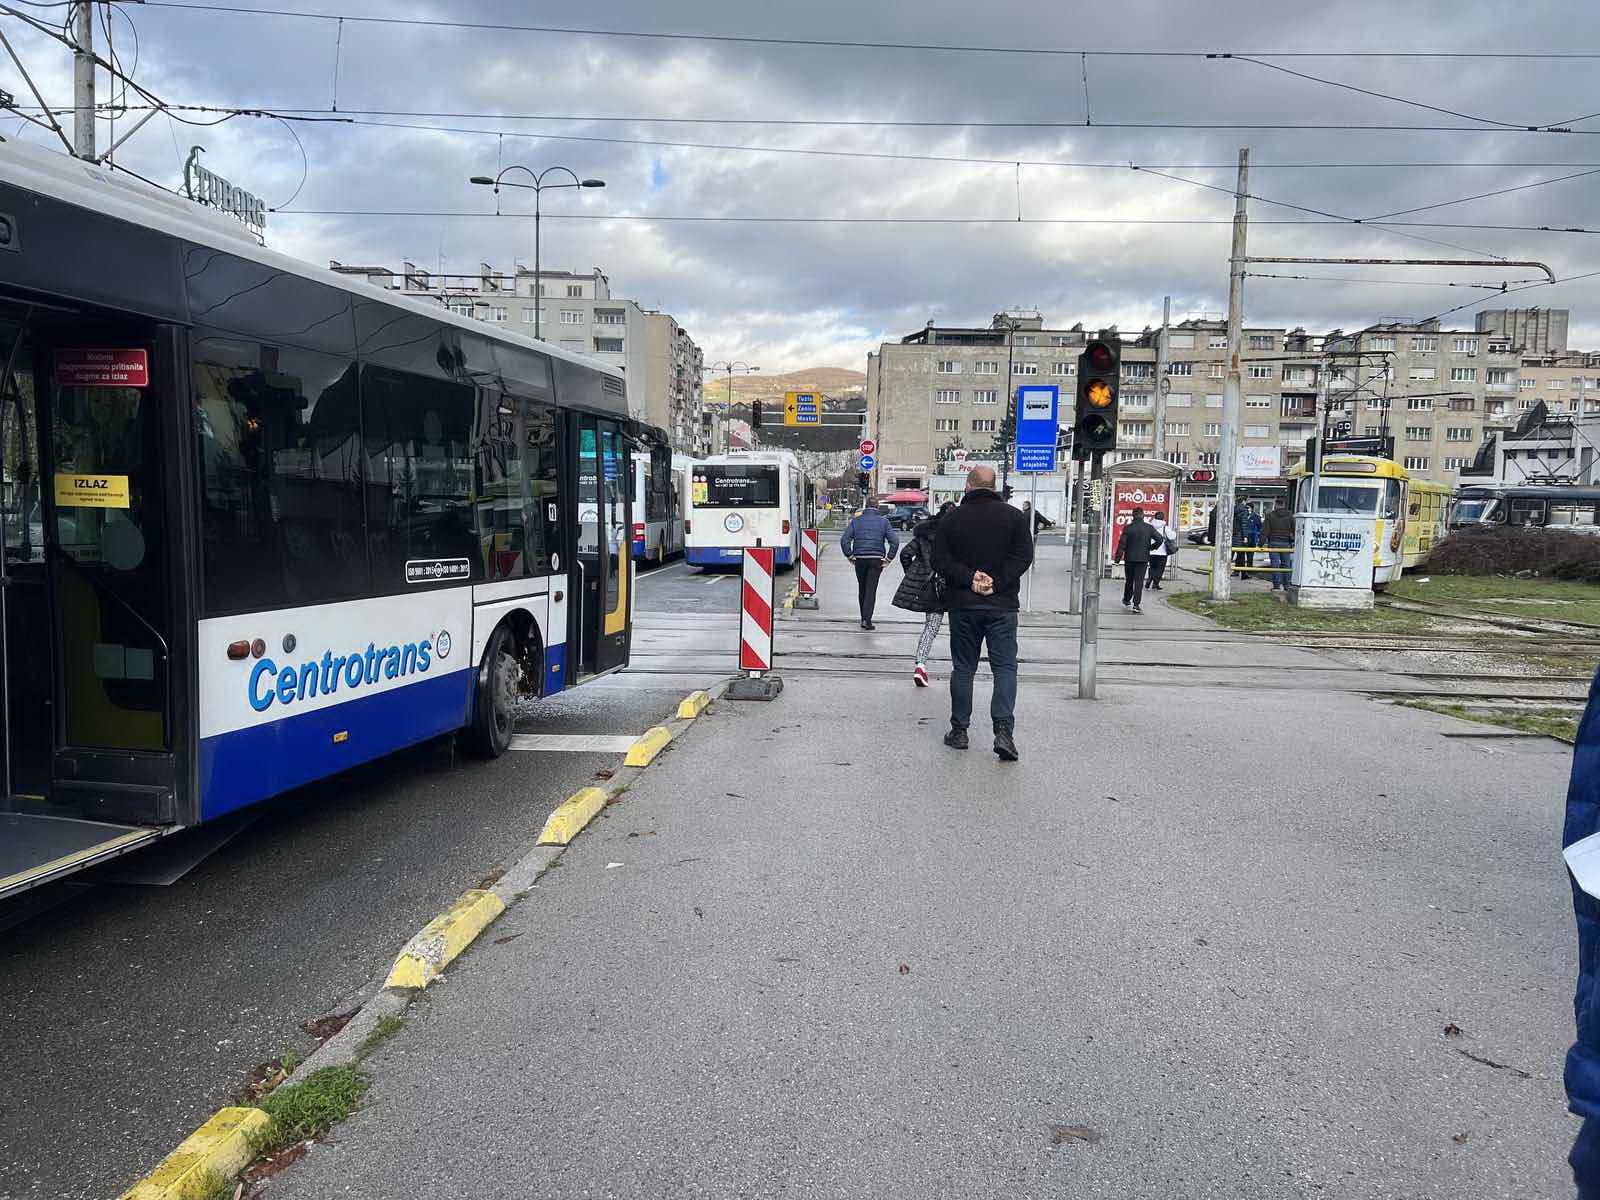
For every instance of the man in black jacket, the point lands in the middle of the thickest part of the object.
(1133, 552)
(983, 548)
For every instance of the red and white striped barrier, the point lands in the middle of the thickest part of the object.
(755, 620)
(808, 562)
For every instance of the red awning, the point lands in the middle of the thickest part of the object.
(908, 496)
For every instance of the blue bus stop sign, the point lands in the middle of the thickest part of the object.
(1038, 427)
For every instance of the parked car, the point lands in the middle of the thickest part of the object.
(904, 516)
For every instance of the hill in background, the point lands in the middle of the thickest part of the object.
(832, 381)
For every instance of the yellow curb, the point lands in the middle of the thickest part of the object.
(442, 938)
(651, 743)
(693, 705)
(223, 1146)
(575, 812)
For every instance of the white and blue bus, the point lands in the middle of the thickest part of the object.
(657, 497)
(747, 498)
(263, 522)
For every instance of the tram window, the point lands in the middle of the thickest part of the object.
(419, 447)
(1527, 512)
(21, 511)
(279, 465)
(1346, 498)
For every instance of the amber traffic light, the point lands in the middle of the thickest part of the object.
(1094, 428)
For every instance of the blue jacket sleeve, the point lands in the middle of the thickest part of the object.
(847, 541)
(893, 539)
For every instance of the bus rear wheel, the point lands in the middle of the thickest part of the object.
(495, 703)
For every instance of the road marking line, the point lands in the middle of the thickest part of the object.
(222, 1147)
(576, 811)
(650, 744)
(444, 937)
(577, 743)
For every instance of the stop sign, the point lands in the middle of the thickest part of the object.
(868, 445)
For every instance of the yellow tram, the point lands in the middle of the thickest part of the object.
(1411, 512)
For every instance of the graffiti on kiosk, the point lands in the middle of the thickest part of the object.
(1348, 541)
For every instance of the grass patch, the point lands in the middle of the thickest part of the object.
(388, 1025)
(1260, 613)
(214, 1187)
(308, 1109)
(1559, 723)
(1551, 599)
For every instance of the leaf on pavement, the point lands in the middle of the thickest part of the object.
(1062, 1135)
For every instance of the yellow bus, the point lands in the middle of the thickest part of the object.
(1411, 512)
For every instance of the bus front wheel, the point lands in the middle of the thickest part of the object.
(494, 707)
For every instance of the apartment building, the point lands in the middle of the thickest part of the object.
(576, 311)
(1534, 330)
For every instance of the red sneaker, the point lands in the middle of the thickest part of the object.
(920, 676)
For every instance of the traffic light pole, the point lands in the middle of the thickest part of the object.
(1221, 557)
(1089, 625)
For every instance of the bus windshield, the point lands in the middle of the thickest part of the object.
(1347, 498)
(1470, 512)
(735, 486)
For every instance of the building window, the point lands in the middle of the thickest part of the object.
(1261, 341)
(1177, 429)
(1217, 341)
(946, 425)
(496, 314)
(1258, 431)
(1466, 345)
(986, 368)
(1179, 399)
(1463, 374)
(465, 310)
(527, 316)
(1061, 368)
(1424, 374)
(1138, 370)
(1217, 370)
(1061, 339)
(986, 396)
(1526, 404)
(1420, 403)
(571, 316)
(1527, 385)
(1297, 374)
(608, 345)
(1135, 430)
(1025, 340)
(1454, 464)
(1259, 402)
(1213, 429)
(1180, 368)
(947, 396)
(1494, 408)
(948, 366)
(1208, 458)
(1416, 463)
(1178, 458)
(575, 291)
(1377, 403)
(1462, 404)
(986, 425)
(1026, 369)
(1424, 344)
(1213, 400)
(1260, 372)
(1371, 430)
(1458, 433)
(1180, 341)
(610, 316)
(1500, 375)
(1381, 343)
(1418, 433)
(1136, 400)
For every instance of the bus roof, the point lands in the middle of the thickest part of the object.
(125, 198)
(776, 458)
(1555, 491)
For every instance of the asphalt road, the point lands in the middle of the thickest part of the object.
(130, 1013)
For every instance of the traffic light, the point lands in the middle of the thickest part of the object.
(1094, 428)
(755, 415)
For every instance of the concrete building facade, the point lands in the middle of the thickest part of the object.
(1535, 330)
(577, 312)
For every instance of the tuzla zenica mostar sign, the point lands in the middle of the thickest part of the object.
(203, 187)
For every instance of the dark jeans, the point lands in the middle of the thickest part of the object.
(1158, 568)
(867, 572)
(1133, 582)
(1585, 1160)
(1279, 556)
(970, 629)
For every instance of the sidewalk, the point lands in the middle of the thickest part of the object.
(1198, 942)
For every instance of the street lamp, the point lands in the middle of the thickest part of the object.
(730, 367)
(538, 185)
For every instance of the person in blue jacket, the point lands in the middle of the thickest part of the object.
(1583, 1060)
(869, 542)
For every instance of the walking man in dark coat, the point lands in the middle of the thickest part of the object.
(1133, 552)
(982, 549)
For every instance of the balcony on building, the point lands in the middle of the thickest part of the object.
(1298, 405)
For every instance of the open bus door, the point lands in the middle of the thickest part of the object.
(87, 596)
(604, 526)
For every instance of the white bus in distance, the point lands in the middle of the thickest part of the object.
(746, 499)
(657, 496)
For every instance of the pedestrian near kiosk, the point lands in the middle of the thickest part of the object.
(1279, 531)
(869, 542)
(922, 589)
(1133, 552)
(1161, 552)
(1241, 537)
(983, 549)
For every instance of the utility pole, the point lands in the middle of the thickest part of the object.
(1221, 558)
(83, 82)
(1010, 442)
(1159, 446)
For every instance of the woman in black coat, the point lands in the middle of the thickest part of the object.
(922, 590)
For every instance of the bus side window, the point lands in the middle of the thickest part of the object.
(540, 455)
(501, 500)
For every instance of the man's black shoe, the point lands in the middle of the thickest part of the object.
(1005, 746)
(956, 739)
(868, 625)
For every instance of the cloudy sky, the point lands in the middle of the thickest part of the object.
(906, 239)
